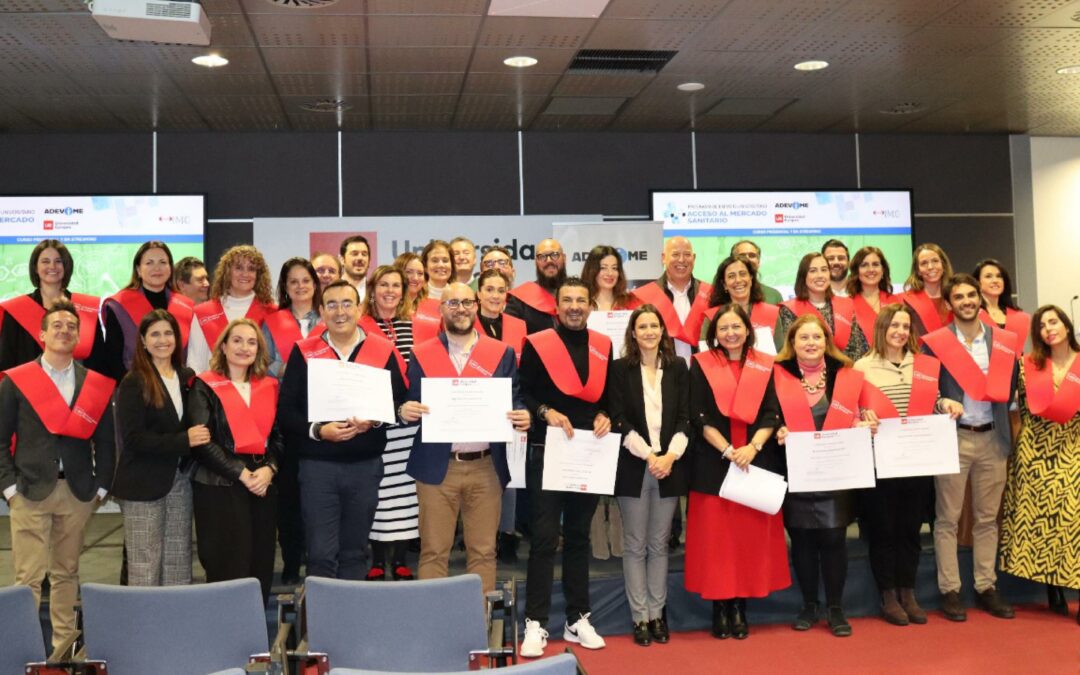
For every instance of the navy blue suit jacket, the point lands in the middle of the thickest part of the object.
(428, 461)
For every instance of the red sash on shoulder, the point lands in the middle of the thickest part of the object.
(427, 321)
(924, 391)
(552, 352)
(137, 306)
(250, 425)
(843, 406)
(285, 331)
(78, 421)
(690, 331)
(534, 295)
(924, 307)
(370, 326)
(483, 361)
(1057, 406)
(374, 351)
(994, 385)
(866, 315)
(762, 315)
(739, 401)
(29, 313)
(212, 319)
(513, 332)
(843, 311)
(1016, 321)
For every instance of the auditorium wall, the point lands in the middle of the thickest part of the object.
(962, 183)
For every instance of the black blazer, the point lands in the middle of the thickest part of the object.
(153, 442)
(626, 403)
(708, 467)
(217, 463)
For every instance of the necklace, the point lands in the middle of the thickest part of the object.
(816, 386)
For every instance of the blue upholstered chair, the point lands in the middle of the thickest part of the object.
(21, 641)
(563, 664)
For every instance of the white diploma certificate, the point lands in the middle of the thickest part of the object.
(924, 445)
(821, 461)
(758, 489)
(338, 390)
(612, 324)
(764, 342)
(516, 455)
(583, 463)
(466, 410)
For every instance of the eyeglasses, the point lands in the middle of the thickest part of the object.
(549, 257)
(489, 264)
(458, 304)
(344, 305)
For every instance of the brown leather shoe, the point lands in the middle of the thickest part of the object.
(952, 607)
(891, 610)
(991, 601)
(915, 614)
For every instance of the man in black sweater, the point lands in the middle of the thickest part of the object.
(340, 461)
(533, 301)
(564, 382)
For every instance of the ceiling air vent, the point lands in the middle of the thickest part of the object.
(302, 4)
(620, 60)
(905, 108)
(326, 105)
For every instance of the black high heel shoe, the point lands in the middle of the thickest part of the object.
(1055, 598)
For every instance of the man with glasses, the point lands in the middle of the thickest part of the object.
(680, 298)
(460, 477)
(340, 460)
(537, 298)
(752, 252)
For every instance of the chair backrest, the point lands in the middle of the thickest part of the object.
(562, 664)
(21, 640)
(174, 629)
(428, 625)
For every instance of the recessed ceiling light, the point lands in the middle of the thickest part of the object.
(1069, 70)
(690, 86)
(210, 61)
(520, 61)
(811, 65)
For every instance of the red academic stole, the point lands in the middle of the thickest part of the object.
(513, 332)
(843, 406)
(738, 401)
(552, 352)
(374, 351)
(250, 424)
(137, 306)
(212, 319)
(483, 361)
(533, 295)
(689, 332)
(78, 421)
(991, 386)
(762, 315)
(1016, 321)
(924, 391)
(285, 331)
(1060, 406)
(865, 314)
(29, 313)
(843, 311)
(924, 307)
(427, 321)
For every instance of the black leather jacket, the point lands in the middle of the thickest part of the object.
(216, 462)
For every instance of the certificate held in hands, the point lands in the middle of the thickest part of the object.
(923, 445)
(823, 461)
(338, 390)
(466, 410)
(583, 463)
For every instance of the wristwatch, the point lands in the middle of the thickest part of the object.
(317, 429)
(542, 412)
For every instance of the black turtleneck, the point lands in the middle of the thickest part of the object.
(18, 346)
(112, 363)
(538, 389)
(492, 327)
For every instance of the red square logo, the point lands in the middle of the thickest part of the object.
(778, 217)
(48, 224)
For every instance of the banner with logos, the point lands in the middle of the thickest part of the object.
(639, 243)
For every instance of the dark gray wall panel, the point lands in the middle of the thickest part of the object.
(775, 161)
(222, 236)
(76, 163)
(949, 173)
(411, 174)
(609, 173)
(247, 175)
(966, 241)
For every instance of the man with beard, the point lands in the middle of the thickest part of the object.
(355, 259)
(465, 477)
(752, 252)
(537, 298)
(564, 375)
(836, 254)
(980, 371)
(680, 298)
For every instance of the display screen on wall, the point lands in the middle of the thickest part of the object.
(787, 224)
(102, 233)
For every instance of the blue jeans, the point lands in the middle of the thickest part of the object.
(338, 500)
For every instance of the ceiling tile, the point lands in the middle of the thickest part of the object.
(639, 34)
(392, 84)
(549, 61)
(461, 7)
(412, 122)
(533, 33)
(600, 84)
(749, 106)
(325, 85)
(413, 105)
(583, 105)
(684, 10)
(423, 31)
(287, 29)
(315, 59)
(418, 59)
(548, 8)
(509, 83)
(571, 122)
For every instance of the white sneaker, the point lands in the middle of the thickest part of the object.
(532, 646)
(583, 633)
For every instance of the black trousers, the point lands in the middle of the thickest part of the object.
(290, 521)
(820, 554)
(892, 514)
(574, 511)
(235, 533)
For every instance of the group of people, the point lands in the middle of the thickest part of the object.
(185, 398)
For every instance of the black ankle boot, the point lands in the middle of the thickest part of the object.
(1055, 598)
(737, 618)
(721, 628)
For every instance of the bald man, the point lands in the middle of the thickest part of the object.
(536, 299)
(681, 299)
